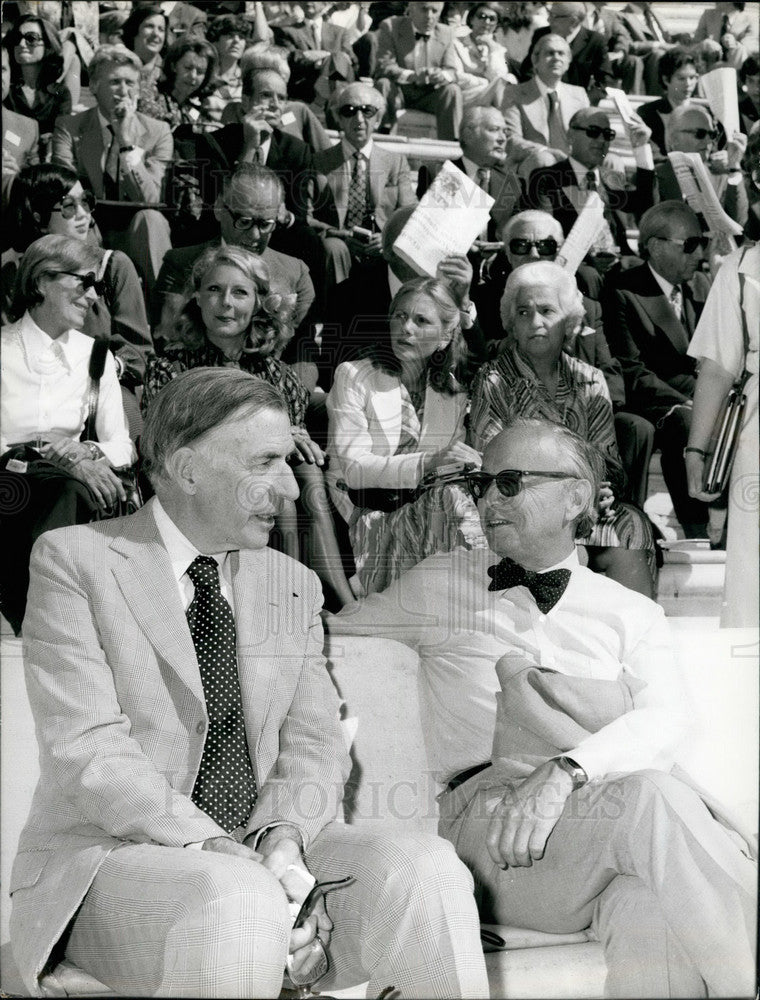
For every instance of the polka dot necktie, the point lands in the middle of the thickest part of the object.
(547, 588)
(226, 786)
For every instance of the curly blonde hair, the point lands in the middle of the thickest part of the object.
(271, 324)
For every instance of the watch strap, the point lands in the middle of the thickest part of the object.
(574, 769)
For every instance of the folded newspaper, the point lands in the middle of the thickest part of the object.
(642, 154)
(451, 214)
(720, 88)
(583, 235)
(696, 185)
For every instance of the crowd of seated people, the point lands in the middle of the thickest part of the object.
(271, 131)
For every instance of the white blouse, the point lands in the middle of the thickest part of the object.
(44, 391)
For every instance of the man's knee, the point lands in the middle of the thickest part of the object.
(422, 862)
(450, 95)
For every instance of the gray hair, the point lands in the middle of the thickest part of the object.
(274, 59)
(49, 255)
(656, 221)
(676, 119)
(341, 95)
(548, 274)
(195, 403)
(580, 458)
(112, 55)
(544, 40)
(532, 216)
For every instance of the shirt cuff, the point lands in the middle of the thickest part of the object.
(257, 836)
(405, 76)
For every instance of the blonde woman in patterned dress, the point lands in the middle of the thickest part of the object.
(533, 376)
(397, 416)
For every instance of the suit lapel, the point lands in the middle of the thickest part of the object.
(147, 582)
(657, 307)
(92, 150)
(256, 639)
(536, 111)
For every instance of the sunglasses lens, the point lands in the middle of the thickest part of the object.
(693, 243)
(519, 247)
(546, 248)
(508, 483)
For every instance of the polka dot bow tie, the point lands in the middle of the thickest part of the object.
(547, 588)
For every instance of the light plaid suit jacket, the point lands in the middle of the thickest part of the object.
(120, 715)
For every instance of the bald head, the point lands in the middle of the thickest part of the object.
(690, 129)
(531, 235)
(590, 136)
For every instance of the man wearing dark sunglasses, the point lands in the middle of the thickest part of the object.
(557, 764)
(692, 129)
(562, 188)
(361, 184)
(651, 312)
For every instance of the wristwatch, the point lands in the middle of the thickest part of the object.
(574, 769)
(95, 453)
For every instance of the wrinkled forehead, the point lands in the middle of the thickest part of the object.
(537, 229)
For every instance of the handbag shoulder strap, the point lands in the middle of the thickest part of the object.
(96, 368)
(743, 312)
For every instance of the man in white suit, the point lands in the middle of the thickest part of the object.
(190, 755)
(537, 113)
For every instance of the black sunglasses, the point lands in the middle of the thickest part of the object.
(701, 133)
(508, 481)
(87, 281)
(545, 248)
(31, 38)
(69, 205)
(349, 110)
(594, 131)
(690, 244)
(245, 222)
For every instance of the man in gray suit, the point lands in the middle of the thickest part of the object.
(418, 63)
(537, 113)
(122, 157)
(191, 760)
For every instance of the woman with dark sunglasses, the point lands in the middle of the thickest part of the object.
(56, 478)
(485, 75)
(37, 89)
(536, 376)
(47, 198)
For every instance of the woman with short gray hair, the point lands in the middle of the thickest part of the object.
(535, 376)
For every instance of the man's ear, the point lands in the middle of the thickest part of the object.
(579, 497)
(218, 209)
(181, 466)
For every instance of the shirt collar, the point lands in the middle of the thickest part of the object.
(581, 171)
(36, 342)
(544, 90)
(349, 150)
(471, 168)
(666, 286)
(571, 562)
(181, 550)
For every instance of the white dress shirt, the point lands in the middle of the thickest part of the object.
(667, 290)
(444, 610)
(45, 385)
(182, 552)
(581, 175)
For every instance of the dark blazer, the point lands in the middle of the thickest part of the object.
(298, 39)
(503, 185)
(389, 183)
(649, 340)
(614, 31)
(589, 59)
(546, 191)
(216, 154)
(55, 101)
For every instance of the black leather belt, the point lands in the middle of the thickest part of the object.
(462, 776)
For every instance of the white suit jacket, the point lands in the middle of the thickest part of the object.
(121, 720)
(364, 409)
